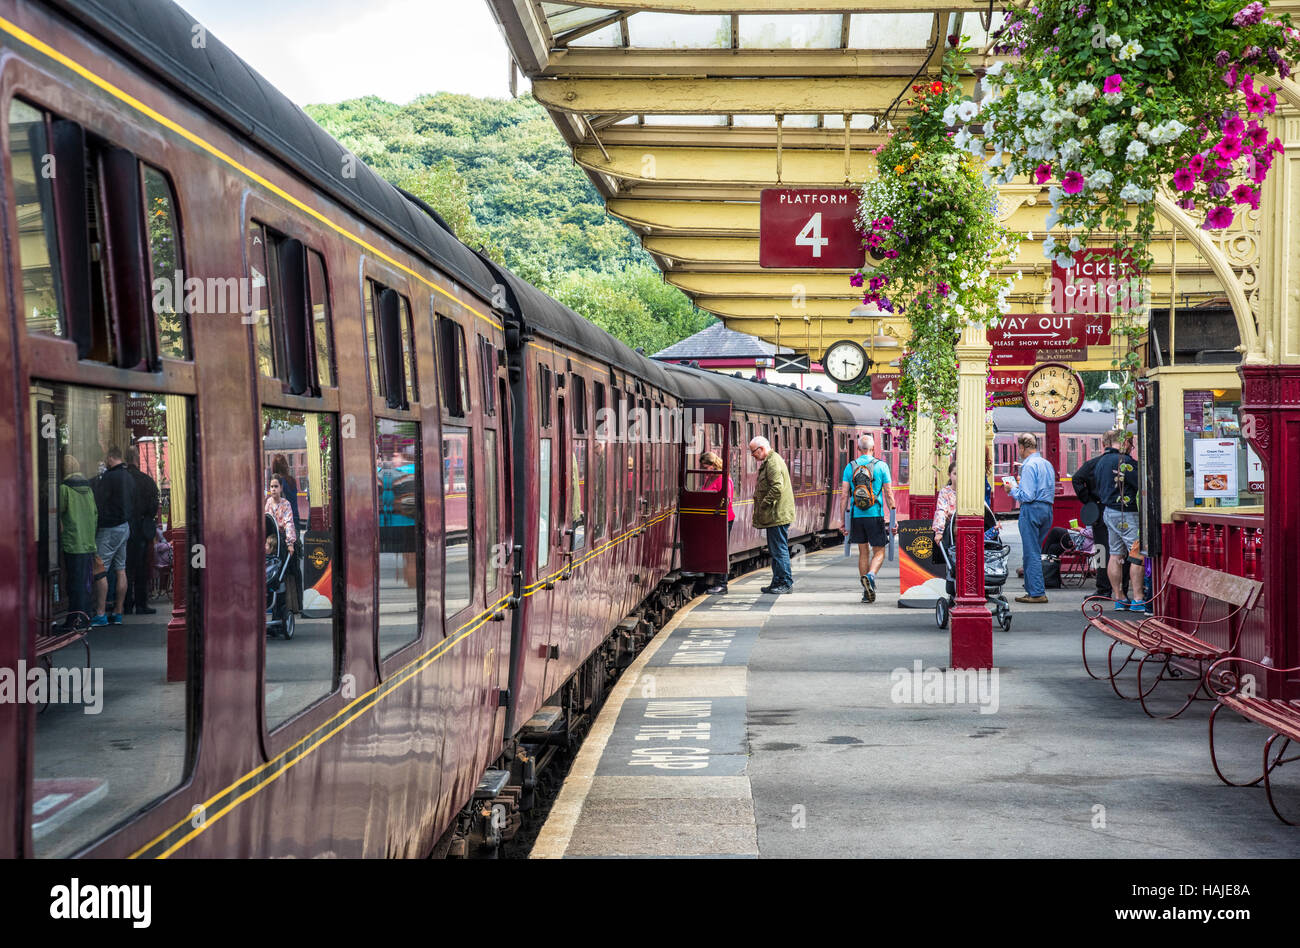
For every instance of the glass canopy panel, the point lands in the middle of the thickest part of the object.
(754, 121)
(857, 121)
(890, 30)
(562, 17)
(678, 31)
(972, 27)
(686, 120)
(630, 120)
(798, 31)
(605, 37)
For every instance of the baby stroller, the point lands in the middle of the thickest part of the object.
(279, 618)
(996, 552)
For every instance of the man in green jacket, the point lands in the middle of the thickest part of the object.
(774, 512)
(78, 520)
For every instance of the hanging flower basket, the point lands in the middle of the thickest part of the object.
(931, 221)
(1115, 101)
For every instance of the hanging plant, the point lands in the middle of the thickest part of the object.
(1116, 101)
(930, 218)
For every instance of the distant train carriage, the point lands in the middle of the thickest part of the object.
(1080, 440)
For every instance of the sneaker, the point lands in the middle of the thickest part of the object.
(115, 618)
(714, 590)
(871, 588)
(1137, 605)
(866, 593)
(767, 589)
(1121, 605)
(145, 611)
(99, 620)
(1028, 598)
(779, 590)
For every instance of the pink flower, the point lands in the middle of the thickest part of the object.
(877, 283)
(1234, 126)
(1188, 205)
(1112, 83)
(1043, 173)
(1230, 77)
(1275, 145)
(944, 289)
(1184, 180)
(1247, 85)
(891, 254)
(1260, 172)
(1245, 194)
(1072, 183)
(1255, 103)
(1258, 136)
(1218, 218)
(1229, 147)
(1196, 163)
(855, 279)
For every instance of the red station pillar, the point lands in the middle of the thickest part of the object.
(178, 626)
(971, 643)
(1270, 407)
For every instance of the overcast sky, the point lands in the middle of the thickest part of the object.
(329, 50)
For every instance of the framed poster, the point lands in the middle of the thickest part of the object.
(1214, 468)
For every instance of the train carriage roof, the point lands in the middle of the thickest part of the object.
(158, 35)
(744, 394)
(846, 409)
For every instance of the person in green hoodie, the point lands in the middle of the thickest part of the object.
(774, 512)
(78, 520)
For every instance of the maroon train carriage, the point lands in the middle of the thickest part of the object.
(1080, 440)
(454, 472)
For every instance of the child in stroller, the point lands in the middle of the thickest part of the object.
(279, 617)
(996, 552)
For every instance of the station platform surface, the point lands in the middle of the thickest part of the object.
(782, 726)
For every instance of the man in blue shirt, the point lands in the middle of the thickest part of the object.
(1036, 493)
(867, 528)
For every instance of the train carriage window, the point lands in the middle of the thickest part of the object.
(165, 264)
(633, 437)
(399, 567)
(453, 367)
(112, 475)
(390, 345)
(543, 503)
(491, 513)
(600, 446)
(408, 356)
(32, 177)
(578, 493)
(321, 320)
(262, 300)
(303, 568)
(544, 395)
(457, 519)
(487, 364)
(579, 398)
(1071, 457)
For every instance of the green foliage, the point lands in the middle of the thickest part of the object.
(502, 177)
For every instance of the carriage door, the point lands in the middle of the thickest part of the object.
(702, 503)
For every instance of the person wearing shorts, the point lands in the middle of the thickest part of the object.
(1117, 486)
(113, 490)
(867, 527)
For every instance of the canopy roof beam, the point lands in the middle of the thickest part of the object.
(695, 96)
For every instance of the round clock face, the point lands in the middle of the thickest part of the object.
(845, 362)
(1053, 392)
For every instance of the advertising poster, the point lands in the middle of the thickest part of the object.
(1254, 472)
(917, 572)
(1214, 467)
(317, 574)
(1194, 410)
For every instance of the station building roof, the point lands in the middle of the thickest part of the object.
(716, 341)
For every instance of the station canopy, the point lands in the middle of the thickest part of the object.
(682, 112)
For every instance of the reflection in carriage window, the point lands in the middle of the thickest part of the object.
(34, 208)
(495, 556)
(543, 502)
(109, 505)
(457, 489)
(300, 527)
(578, 491)
(400, 521)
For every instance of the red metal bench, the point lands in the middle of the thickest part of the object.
(1161, 638)
(1281, 716)
(54, 637)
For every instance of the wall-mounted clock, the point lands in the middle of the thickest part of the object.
(1053, 392)
(846, 362)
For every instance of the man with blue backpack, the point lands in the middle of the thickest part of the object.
(869, 496)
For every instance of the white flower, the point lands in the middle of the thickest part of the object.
(1083, 124)
(1135, 111)
(967, 110)
(962, 138)
(1049, 246)
(1051, 220)
(1113, 98)
(1029, 100)
(1071, 150)
(952, 255)
(1135, 194)
(1136, 150)
(1131, 50)
(995, 69)
(960, 310)
(1076, 244)
(1101, 178)
(1081, 93)
(1114, 41)
(1144, 129)
(1055, 195)
(950, 114)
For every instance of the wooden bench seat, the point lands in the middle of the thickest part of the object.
(1164, 637)
(1281, 716)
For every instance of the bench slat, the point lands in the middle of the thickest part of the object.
(1275, 714)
